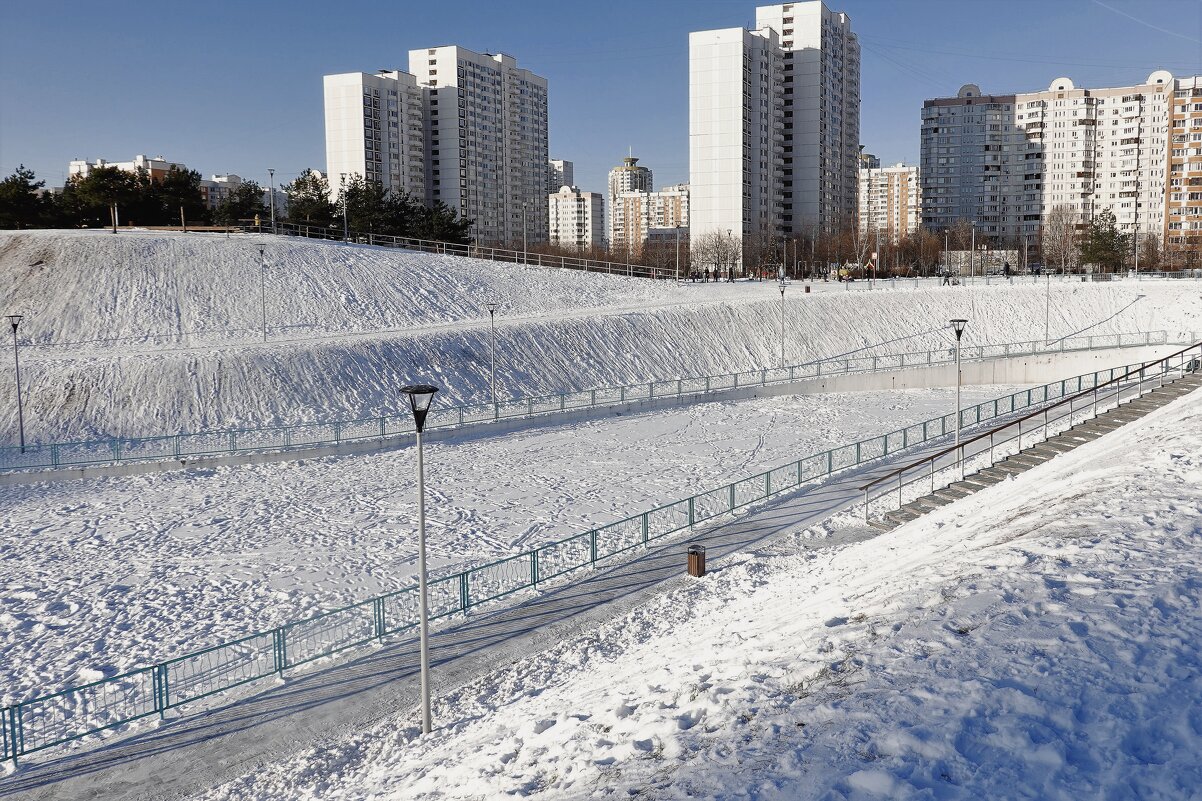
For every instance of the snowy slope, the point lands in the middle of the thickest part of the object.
(146, 334)
(1041, 639)
(107, 574)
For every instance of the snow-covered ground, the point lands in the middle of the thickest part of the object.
(141, 334)
(1041, 639)
(107, 574)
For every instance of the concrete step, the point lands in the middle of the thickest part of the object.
(1000, 471)
(955, 491)
(902, 516)
(979, 482)
(929, 502)
(883, 525)
(1054, 446)
(1022, 460)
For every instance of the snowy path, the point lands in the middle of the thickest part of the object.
(195, 752)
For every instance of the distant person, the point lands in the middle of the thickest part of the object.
(947, 279)
(1006, 269)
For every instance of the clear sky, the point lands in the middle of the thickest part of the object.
(235, 86)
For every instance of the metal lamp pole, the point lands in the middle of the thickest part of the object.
(345, 231)
(782, 318)
(271, 195)
(958, 327)
(263, 289)
(678, 254)
(492, 306)
(420, 397)
(15, 320)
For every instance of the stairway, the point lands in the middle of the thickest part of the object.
(1044, 451)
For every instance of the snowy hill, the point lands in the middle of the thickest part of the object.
(141, 334)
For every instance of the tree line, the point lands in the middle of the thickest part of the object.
(109, 196)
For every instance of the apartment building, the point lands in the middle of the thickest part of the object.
(213, 189)
(1183, 207)
(486, 140)
(889, 201)
(576, 219)
(627, 177)
(375, 129)
(774, 119)
(559, 173)
(641, 216)
(1006, 161)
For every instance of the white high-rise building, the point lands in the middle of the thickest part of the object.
(559, 173)
(486, 141)
(1005, 162)
(577, 219)
(736, 136)
(889, 201)
(774, 122)
(375, 129)
(822, 113)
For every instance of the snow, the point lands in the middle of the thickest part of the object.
(108, 574)
(142, 334)
(1040, 639)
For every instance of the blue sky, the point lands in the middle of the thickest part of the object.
(230, 86)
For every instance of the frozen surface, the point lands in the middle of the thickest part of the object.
(143, 334)
(106, 574)
(1040, 639)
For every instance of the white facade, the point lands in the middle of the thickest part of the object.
(576, 219)
(486, 141)
(374, 129)
(1005, 162)
(155, 167)
(889, 201)
(559, 173)
(736, 135)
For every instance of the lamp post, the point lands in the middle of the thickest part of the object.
(782, 318)
(972, 266)
(420, 397)
(525, 221)
(271, 195)
(345, 231)
(492, 307)
(263, 288)
(958, 327)
(15, 320)
(678, 254)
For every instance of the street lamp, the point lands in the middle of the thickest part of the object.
(678, 254)
(15, 320)
(345, 231)
(782, 318)
(492, 307)
(958, 327)
(271, 195)
(420, 398)
(263, 288)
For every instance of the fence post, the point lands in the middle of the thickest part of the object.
(233, 443)
(732, 497)
(768, 484)
(692, 512)
(534, 568)
(830, 461)
(54, 452)
(15, 737)
(645, 529)
(377, 604)
(281, 650)
(337, 432)
(592, 547)
(857, 453)
(164, 701)
(116, 450)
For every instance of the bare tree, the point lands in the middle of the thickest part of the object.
(1149, 252)
(1058, 238)
(716, 252)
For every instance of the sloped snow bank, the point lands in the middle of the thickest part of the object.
(1042, 639)
(109, 318)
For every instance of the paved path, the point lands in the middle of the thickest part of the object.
(202, 749)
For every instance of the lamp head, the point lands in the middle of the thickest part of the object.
(958, 327)
(15, 320)
(420, 398)
(492, 305)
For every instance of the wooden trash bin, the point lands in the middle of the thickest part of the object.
(696, 560)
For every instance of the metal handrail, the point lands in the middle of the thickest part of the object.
(1019, 421)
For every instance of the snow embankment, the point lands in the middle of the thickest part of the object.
(150, 334)
(1041, 639)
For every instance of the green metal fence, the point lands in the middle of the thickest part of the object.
(306, 435)
(57, 718)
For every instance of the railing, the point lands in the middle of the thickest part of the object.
(1014, 279)
(57, 718)
(526, 257)
(996, 444)
(227, 442)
